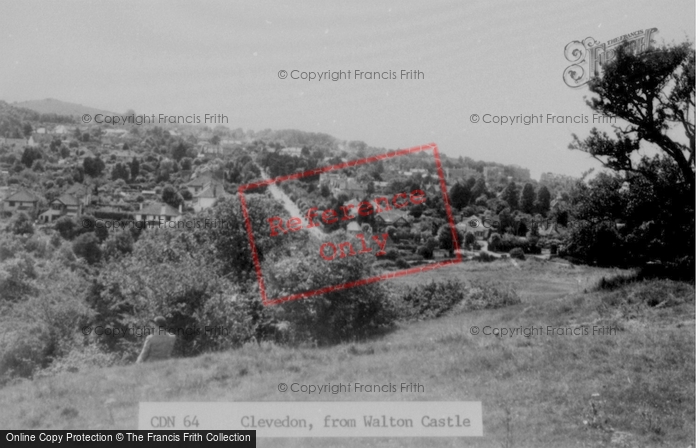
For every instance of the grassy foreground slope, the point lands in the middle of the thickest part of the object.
(542, 387)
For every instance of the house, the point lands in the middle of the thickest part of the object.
(83, 193)
(296, 152)
(22, 200)
(353, 227)
(111, 132)
(548, 229)
(473, 224)
(493, 174)
(37, 140)
(453, 175)
(66, 205)
(60, 129)
(518, 173)
(201, 183)
(207, 197)
(206, 148)
(351, 188)
(158, 214)
(393, 218)
(16, 143)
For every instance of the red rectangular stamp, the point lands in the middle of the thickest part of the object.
(385, 207)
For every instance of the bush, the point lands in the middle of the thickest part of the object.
(402, 264)
(339, 315)
(487, 295)
(425, 251)
(484, 257)
(429, 301)
(517, 253)
(22, 225)
(391, 254)
(87, 246)
(495, 242)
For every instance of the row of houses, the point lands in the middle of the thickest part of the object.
(73, 202)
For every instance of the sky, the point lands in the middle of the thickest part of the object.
(476, 57)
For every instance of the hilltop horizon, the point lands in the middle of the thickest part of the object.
(60, 107)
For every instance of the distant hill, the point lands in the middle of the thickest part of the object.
(52, 106)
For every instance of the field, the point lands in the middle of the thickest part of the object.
(634, 387)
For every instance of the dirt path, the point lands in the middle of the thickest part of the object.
(288, 204)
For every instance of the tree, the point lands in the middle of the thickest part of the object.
(38, 166)
(478, 189)
(117, 244)
(22, 224)
(171, 197)
(93, 166)
(30, 155)
(460, 195)
(469, 240)
(445, 240)
(27, 129)
(120, 172)
(180, 150)
(653, 92)
(510, 195)
(134, 167)
(544, 198)
(230, 241)
(66, 227)
(87, 246)
(527, 199)
(186, 194)
(186, 163)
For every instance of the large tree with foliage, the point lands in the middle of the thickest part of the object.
(527, 199)
(460, 195)
(654, 93)
(510, 195)
(648, 207)
(544, 198)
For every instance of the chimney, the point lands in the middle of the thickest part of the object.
(179, 208)
(140, 206)
(162, 209)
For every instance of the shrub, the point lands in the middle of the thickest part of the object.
(402, 264)
(339, 315)
(87, 246)
(484, 257)
(425, 252)
(22, 225)
(487, 294)
(429, 301)
(469, 240)
(495, 242)
(36, 245)
(391, 254)
(9, 246)
(517, 253)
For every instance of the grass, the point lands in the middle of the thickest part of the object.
(635, 387)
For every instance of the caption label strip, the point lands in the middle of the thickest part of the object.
(320, 418)
(327, 252)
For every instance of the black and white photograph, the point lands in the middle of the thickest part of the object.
(347, 224)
